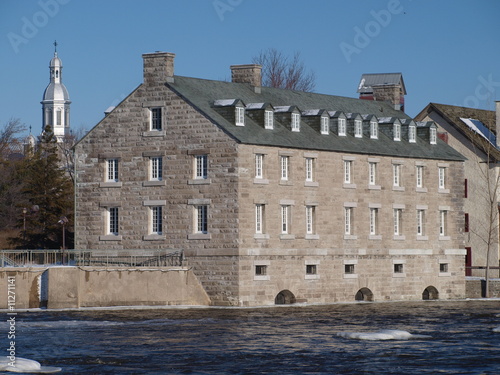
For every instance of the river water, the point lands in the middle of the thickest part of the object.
(459, 337)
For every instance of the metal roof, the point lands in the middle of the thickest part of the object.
(367, 81)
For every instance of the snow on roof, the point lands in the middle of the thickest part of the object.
(224, 102)
(255, 105)
(282, 108)
(311, 112)
(481, 129)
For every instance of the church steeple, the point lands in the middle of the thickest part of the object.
(55, 103)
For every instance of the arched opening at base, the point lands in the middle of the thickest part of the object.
(285, 297)
(364, 294)
(430, 293)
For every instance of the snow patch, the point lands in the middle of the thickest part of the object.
(27, 366)
(384, 334)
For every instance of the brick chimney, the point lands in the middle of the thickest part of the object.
(497, 110)
(158, 68)
(250, 73)
(389, 93)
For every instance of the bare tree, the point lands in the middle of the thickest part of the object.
(7, 135)
(281, 71)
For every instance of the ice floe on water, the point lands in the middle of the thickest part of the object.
(383, 334)
(26, 366)
(497, 329)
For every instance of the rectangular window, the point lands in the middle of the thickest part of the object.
(59, 116)
(420, 222)
(156, 220)
(358, 129)
(433, 136)
(259, 218)
(466, 222)
(310, 212)
(396, 168)
(259, 165)
(295, 122)
(311, 269)
(285, 219)
(112, 227)
(261, 270)
(442, 222)
(309, 169)
(441, 175)
(397, 132)
(398, 267)
(443, 267)
(269, 119)
(156, 173)
(373, 220)
(349, 268)
(112, 170)
(373, 130)
(465, 189)
(201, 218)
(348, 220)
(398, 213)
(240, 116)
(412, 138)
(325, 128)
(201, 166)
(156, 118)
(284, 167)
(372, 173)
(342, 127)
(419, 174)
(347, 171)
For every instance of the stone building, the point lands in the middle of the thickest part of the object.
(473, 132)
(385, 87)
(275, 196)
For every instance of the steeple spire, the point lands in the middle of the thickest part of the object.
(55, 47)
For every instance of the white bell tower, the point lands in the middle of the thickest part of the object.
(55, 103)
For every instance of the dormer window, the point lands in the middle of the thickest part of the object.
(295, 122)
(268, 119)
(397, 132)
(374, 129)
(412, 134)
(325, 125)
(240, 116)
(433, 136)
(342, 127)
(358, 130)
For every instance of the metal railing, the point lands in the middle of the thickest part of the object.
(97, 258)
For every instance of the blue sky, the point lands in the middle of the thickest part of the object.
(447, 50)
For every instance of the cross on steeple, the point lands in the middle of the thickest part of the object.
(55, 47)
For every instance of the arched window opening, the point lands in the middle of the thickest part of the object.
(364, 294)
(285, 297)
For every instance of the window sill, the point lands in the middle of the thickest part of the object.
(422, 238)
(421, 190)
(399, 238)
(199, 236)
(110, 237)
(350, 275)
(350, 237)
(262, 181)
(375, 237)
(349, 186)
(311, 277)
(110, 184)
(261, 236)
(444, 274)
(261, 278)
(154, 183)
(154, 133)
(443, 191)
(312, 237)
(154, 237)
(200, 181)
(398, 188)
(287, 236)
(399, 275)
(311, 183)
(374, 187)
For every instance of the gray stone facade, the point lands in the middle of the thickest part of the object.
(240, 248)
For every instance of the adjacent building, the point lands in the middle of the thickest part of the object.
(275, 196)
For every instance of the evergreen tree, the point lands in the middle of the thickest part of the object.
(49, 193)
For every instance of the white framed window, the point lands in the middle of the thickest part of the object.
(419, 174)
(442, 177)
(59, 117)
(295, 122)
(433, 136)
(259, 165)
(373, 129)
(156, 168)
(310, 213)
(348, 220)
(349, 269)
(259, 218)
(373, 220)
(284, 160)
(261, 270)
(285, 219)
(397, 132)
(311, 269)
(347, 171)
(396, 173)
(112, 222)
(398, 215)
(398, 268)
(358, 129)
(325, 125)
(309, 169)
(156, 220)
(372, 173)
(155, 120)
(201, 218)
(442, 222)
(412, 134)
(268, 119)
(201, 166)
(112, 170)
(240, 116)
(342, 127)
(420, 222)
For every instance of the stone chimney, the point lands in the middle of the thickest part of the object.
(497, 110)
(158, 68)
(391, 94)
(250, 73)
